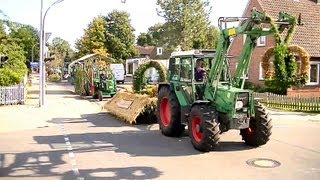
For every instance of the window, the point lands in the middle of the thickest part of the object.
(247, 76)
(261, 41)
(159, 50)
(314, 73)
(174, 68)
(130, 68)
(185, 70)
(261, 72)
(244, 38)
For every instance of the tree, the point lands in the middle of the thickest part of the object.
(26, 37)
(212, 37)
(94, 37)
(152, 37)
(144, 39)
(120, 35)
(186, 23)
(61, 48)
(15, 68)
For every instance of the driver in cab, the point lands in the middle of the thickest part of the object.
(199, 70)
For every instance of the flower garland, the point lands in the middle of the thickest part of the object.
(138, 82)
(286, 72)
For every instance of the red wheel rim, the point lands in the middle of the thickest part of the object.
(250, 131)
(165, 111)
(195, 126)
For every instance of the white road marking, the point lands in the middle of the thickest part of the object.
(73, 161)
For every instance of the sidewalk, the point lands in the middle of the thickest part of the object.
(58, 99)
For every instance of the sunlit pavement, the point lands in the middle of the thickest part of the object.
(73, 138)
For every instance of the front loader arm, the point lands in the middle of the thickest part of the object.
(252, 28)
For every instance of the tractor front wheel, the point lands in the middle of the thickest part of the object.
(259, 130)
(168, 113)
(95, 93)
(203, 128)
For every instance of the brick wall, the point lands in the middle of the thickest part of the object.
(307, 91)
(237, 44)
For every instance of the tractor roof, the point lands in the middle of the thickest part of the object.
(200, 52)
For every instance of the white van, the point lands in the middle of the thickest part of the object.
(118, 72)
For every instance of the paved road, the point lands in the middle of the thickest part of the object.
(72, 138)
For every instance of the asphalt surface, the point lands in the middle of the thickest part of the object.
(73, 138)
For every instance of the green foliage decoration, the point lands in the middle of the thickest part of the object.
(285, 73)
(139, 81)
(79, 80)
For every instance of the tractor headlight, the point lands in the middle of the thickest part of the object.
(242, 101)
(239, 105)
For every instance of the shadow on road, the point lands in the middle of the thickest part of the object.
(45, 164)
(58, 92)
(102, 119)
(31, 164)
(137, 172)
(135, 143)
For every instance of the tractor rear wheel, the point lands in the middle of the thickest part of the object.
(259, 130)
(203, 128)
(168, 113)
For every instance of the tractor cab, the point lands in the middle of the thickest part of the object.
(188, 70)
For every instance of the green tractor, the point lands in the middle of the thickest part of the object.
(104, 84)
(212, 101)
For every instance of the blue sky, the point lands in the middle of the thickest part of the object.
(69, 18)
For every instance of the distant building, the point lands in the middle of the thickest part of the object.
(146, 53)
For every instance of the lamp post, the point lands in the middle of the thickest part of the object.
(32, 51)
(41, 63)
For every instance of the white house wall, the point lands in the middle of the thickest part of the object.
(152, 73)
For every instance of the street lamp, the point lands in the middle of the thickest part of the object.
(32, 51)
(41, 63)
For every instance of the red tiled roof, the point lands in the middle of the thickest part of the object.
(145, 49)
(308, 35)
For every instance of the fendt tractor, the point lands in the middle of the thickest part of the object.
(104, 83)
(214, 101)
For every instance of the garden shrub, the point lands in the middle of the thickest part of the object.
(54, 77)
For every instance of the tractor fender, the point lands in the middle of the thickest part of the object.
(200, 102)
(165, 84)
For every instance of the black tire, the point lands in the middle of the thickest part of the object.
(207, 137)
(259, 130)
(169, 122)
(100, 96)
(95, 94)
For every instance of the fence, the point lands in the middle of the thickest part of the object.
(296, 103)
(12, 94)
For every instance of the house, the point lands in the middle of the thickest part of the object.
(307, 36)
(146, 53)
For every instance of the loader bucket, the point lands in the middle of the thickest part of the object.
(133, 108)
